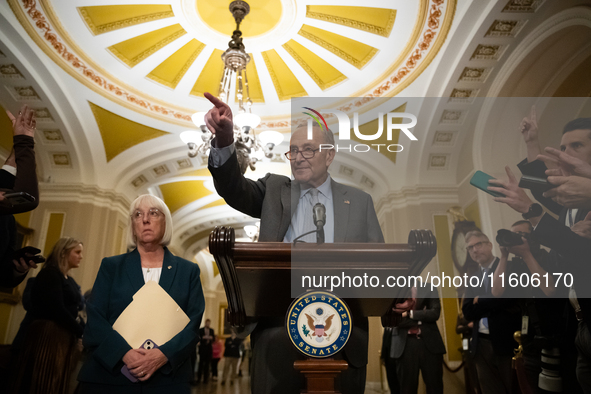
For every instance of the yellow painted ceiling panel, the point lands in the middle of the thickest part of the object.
(178, 194)
(200, 172)
(6, 127)
(170, 71)
(254, 84)
(104, 18)
(216, 203)
(319, 69)
(371, 127)
(373, 20)
(286, 83)
(119, 133)
(354, 52)
(136, 49)
(209, 79)
(264, 15)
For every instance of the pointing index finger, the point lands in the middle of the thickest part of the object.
(214, 100)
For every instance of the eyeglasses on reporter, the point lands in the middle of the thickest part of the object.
(477, 245)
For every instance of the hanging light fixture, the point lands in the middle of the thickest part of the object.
(249, 148)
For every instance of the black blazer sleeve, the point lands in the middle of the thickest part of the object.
(26, 174)
(239, 192)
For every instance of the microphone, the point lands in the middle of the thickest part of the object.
(319, 211)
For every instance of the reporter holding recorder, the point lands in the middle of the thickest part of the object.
(167, 368)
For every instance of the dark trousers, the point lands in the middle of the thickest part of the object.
(204, 362)
(97, 388)
(214, 366)
(494, 371)
(583, 342)
(417, 357)
(390, 364)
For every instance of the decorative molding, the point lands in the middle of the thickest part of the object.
(161, 170)
(41, 31)
(52, 136)
(280, 94)
(183, 164)
(438, 161)
(150, 51)
(505, 28)
(488, 52)
(412, 195)
(61, 160)
(367, 182)
(463, 95)
(43, 115)
(181, 73)
(10, 71)
(444, 138)
(452, 117)
(100, 29)
(84, 194)
(474, 74)
(523, 5)
(359, 63)
(139, 181)
(379, 30)
(310, 71)
(23, 93)
(348, 171)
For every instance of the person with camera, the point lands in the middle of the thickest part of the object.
(13, 182)
(570, 250)
(544, 315)
(494, 320)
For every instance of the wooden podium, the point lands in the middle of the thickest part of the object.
(257, 281)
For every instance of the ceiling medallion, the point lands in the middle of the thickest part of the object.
(41, 23)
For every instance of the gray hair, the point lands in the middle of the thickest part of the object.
(475, 233)
(154, 202)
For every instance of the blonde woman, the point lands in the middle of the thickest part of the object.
(45, 346)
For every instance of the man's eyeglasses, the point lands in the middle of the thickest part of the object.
(307, 153)
(153, 213)
(477, 245)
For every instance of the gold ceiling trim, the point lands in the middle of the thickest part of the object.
(79, 66)
(435, 28)
(359, 63)
(272, 56)
(323, 85)
(181, 73)
(91, 75)
(120, 54)
(383, 31)
(107, 27)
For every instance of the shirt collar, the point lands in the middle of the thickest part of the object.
(324, 189)
(489, 264)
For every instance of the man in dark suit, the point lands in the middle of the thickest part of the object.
(283, 206)
(495, 321)
(205, 351)
(416, 343)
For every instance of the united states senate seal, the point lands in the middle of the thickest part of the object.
(319, 324)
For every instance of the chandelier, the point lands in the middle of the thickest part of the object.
(250, 147)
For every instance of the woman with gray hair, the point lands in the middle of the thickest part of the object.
(163, 369)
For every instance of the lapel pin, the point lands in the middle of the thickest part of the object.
(347, 202)
(170, 266)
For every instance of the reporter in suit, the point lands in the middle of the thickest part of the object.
(166, 369)
(350, 217)
(417, 344)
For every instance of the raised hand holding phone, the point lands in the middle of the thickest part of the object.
(514, 196)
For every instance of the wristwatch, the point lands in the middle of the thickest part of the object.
(534, 210)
